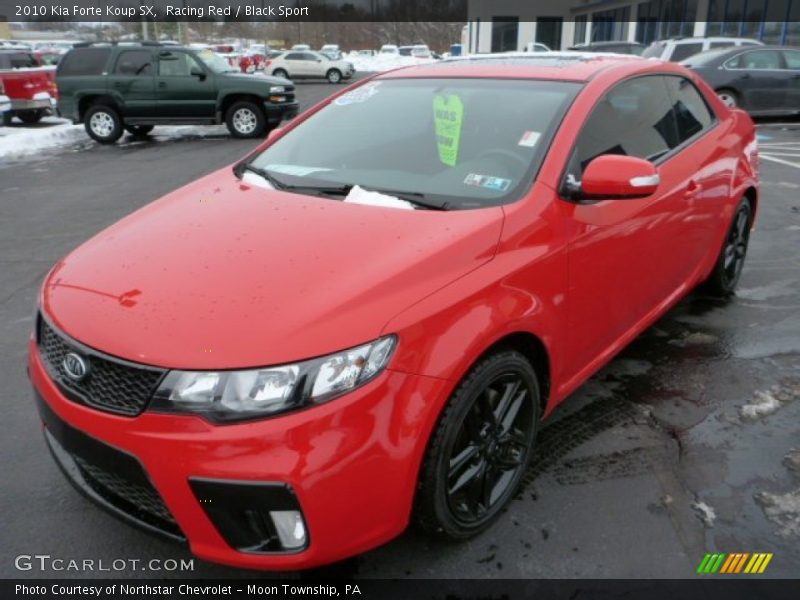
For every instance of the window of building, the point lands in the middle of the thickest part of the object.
(610, 25)
(505, 32)
(548, 31)
(580, 30)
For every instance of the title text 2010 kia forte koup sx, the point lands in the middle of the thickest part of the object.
(363, 323)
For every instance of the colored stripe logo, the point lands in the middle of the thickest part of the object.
(737, 562)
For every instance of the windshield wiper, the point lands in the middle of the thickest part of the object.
(332, 190)
(417, 198)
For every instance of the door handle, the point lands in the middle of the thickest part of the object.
(117, 84)
(162, 84)
(692, 189)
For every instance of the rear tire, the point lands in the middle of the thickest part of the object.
(280, 73)
(728, 268)
(729, 97)
(8, 116)
(479, 452)
(103, 124)
(139, 130)
(245, 120)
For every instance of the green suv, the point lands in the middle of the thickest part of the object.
(133, 87)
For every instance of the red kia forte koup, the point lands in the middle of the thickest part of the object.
(364, 322)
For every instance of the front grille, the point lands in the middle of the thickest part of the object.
(112, 385)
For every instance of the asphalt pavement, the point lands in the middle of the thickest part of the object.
(687, 443)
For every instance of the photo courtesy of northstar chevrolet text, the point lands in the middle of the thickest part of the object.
(396, 291)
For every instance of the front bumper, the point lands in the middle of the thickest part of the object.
(279, 112)
(352, 463)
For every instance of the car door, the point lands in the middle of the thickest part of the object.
(185, 88)
(314, 64)
(628, 257)
(791, 60)
(133, 79)
(296, 64)
(761, 79)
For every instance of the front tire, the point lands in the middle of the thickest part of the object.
(103, 124)
(480, 449)
(728, 268)
(333, 76)
(245, 120)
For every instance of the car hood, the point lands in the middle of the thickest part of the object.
(220, 274)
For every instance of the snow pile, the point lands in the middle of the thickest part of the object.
(764, 403)
(783, 510)
(705, 513)
(359, 195)
(15, 141)
(383, 62)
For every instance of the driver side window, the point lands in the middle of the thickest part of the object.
(175, 64)
(633, 119)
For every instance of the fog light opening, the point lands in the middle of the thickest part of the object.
(290, 528)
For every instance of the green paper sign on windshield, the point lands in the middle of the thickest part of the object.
(448, 114)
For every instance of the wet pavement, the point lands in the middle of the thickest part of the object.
(687, 443)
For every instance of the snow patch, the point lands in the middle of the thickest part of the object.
(705, 513)
(693, 339)
(359, 195)
(783, 510)
(20, 142)
(764, 403)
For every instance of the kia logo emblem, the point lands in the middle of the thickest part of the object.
(75, 366)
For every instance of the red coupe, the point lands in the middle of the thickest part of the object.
(364, 322)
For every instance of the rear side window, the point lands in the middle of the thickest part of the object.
(792, 58)
(721, 45)
(134, 63)
(756, 59)
(682, 51)
(692, 114)
(17, 60)
(84, 61)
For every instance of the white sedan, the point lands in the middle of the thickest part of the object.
(307, 64)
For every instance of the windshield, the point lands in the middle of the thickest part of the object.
(215, 62)
(469, 143)
(654, 50)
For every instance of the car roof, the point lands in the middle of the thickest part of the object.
(563, 66)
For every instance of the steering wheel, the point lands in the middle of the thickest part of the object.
(508, 155)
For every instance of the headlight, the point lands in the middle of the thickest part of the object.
(237, 395)
(277, 89)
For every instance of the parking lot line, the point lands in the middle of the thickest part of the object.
(779, 160)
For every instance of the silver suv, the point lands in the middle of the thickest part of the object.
(678, 49)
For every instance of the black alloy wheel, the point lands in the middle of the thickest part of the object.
(728, 269)
(481, 448)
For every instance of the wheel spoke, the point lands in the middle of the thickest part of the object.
(512, 411)
(469, 476)
(457, 463)
(509, 393)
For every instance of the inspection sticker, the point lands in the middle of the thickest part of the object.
(358, 95)
(498, 184)
(529, 139)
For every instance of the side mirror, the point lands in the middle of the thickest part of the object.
(615, 177)
(197, 72)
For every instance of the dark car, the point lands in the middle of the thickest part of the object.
(764, 80)
(133, 87)
(615, 47)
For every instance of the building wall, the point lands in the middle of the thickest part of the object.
(772, 21)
